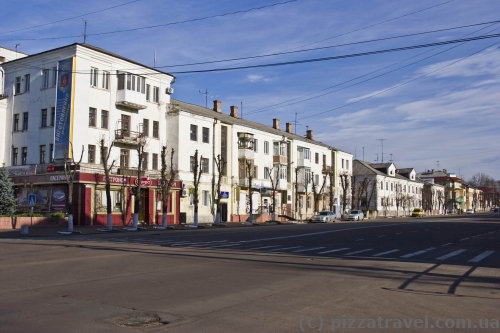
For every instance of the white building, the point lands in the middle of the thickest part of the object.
(75, 95)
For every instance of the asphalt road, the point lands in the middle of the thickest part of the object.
(289, 278)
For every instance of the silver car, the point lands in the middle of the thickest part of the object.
(356, 215)
(324, 217)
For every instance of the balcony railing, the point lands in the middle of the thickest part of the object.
(128, 137)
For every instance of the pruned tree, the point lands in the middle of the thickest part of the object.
(361, 192)
(220, 163)
(197, 170)
(167, 179)
(249, 168)
(317, 191)
(105, 153)
(274, 176)
(345, 184)
(8, 204)
(141, 149)
(296, 187)
(440, 200)
(372, 193)
(70, 169)
(398, 197)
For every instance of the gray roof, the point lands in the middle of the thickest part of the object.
(380, 165)
(364, 168)
(405, 170)
(225, 118)
(432, 174)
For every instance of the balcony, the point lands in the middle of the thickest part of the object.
(282, 185)
(303, 162)
(244, 153)
(131, 99)
(243, 182)
(128, 137)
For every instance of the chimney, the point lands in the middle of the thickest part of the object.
(432, 170)
(309, 135)
(288, 127)
(218, 106)
(234, 111)
(444, 170)
(276, 123)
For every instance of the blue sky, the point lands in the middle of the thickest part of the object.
(444, 108)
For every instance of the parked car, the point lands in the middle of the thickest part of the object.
(417, 212)
(356, 215)
(469, 211)
(324, 217)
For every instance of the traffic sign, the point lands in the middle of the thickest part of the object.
(224, 195)
(31, 200)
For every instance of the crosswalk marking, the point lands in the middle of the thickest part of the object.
(464, 238)
(263, 247)
(383, 253)
(336, 250)
(481, 256)
(285, 248)
(452, 254)
(446, 244)
(417, 253)
(360, 251)
(225, 245)
(309, 249)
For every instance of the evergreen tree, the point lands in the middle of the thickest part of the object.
(7, 197)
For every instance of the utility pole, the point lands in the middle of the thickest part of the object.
(363, 153)
(241, 104)
(85, 32)
(382, 142)
(391, 158)
(206, 96)
(16, 45)
(377, 157)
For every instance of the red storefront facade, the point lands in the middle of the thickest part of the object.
(89, 199)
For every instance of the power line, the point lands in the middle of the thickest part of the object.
(67, 19)
(352, 55)
(167, 24)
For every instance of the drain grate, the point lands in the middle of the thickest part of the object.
(141, 320)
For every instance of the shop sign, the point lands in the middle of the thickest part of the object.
(22, 171)
(144, 182)
(57, 178)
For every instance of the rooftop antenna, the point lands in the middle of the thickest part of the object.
(382, 142)
(206, 96)
(437, 164)
(154, 61)
(85, 32)
(363, 153)
(241, 109)
(307, 128)
(377, 158)
(16, 45)
(391, 158)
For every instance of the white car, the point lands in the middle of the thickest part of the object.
(356, 215)
(324, 217)
(469, 211)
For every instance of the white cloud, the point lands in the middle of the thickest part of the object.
(257, 78)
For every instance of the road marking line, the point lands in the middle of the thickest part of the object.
(365, 250)
(262, 247)
(386, 252)
(417, 253)
(336, 250)
(309, 249)
(481, 256)
(285, 248)
(446, 244)
(225, 245)
(357, 240)
(464, 238)
(397, 233)
(452, 254)
(381, 236)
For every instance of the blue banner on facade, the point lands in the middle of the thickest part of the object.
(64, 109)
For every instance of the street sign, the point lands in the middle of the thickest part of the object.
(224, 195)
(31, 200)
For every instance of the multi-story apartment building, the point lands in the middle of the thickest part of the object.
(384, 188)
(59, 104)
(282, 165)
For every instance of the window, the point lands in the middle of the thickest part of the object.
(301, 201)
(342, 163)
(54, 76)
(266, 173)
(101, 200)
(255, 172)
(124, 157)
(15, 126)
(27, 83)
(347, 164)
(14, 155)
(156, 94)
(280, 149)
(256, 145)
(205, 198)
(155, 161)
(104, 119)
(25, 121)
(308, 202)
(316, 179)
(51, 153)
(387, 186)
(94, 72)
(92, 114)
(324, 160)
(307, 175)
(42, 154)
(205, 133)
(17, 87)
(266, 147)
(45, 77)
(24, 156)
(381, 185)
(91, 156)
(145, 160)
(148, 92)
(194, 133)
(156, 129)
(52, 116)
(105, 80)
(307, 154)
(44, 117)
(316, 158)
(192, 163)
(392, 187)
(204, 165)
(145, 127)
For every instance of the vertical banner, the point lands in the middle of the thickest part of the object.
(64, 108)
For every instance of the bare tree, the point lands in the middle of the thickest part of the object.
(105, 153)
(274, 176)
(296, 187)
(70, 169)
(345, 185)
(141, 147)
(249, 165)
(221, 164)
(167, 179)
(317, 193)
(440, 200)
(398, 198)
(372, 193)
(197, 170)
